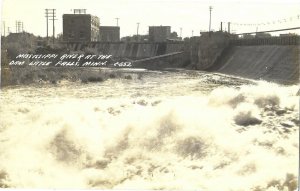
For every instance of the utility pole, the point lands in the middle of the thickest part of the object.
(47, 22)
(137, 32)
(221, 26)
(192, 33)
(210, 9)
(117, 21)
(4, 28)
(180, 32)
(53, 19)
(50, 15)
(19, 26)
(229, 27)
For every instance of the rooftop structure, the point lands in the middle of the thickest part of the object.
(159, 33)
(110, 33)
(80, 27)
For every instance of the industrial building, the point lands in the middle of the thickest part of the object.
(159, 33)
(80, 27)
(110, 33)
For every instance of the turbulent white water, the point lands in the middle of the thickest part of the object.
(167, 130)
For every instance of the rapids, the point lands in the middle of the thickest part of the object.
(159, 130)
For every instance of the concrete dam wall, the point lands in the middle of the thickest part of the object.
(273, 59)
(277, 63)
(131, 50)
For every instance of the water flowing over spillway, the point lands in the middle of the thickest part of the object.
(273, 63)
(159, 130)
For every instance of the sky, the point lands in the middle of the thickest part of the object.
(190, 15)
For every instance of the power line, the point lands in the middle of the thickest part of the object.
(277, 30)
(273, 22)
(51, 15)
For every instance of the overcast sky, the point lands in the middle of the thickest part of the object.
(186, 14)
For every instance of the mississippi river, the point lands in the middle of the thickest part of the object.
(183, 130)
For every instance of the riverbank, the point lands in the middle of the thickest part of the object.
(53, 75)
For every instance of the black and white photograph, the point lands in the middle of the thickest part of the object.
(150, 95)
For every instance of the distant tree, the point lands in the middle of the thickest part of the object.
(19, 43)
(60, 37)
(4, 58)
(126, 39)
(186, 39)
(5, 71)
(14, 49)
(173, 35)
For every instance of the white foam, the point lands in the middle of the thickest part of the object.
(204, 142)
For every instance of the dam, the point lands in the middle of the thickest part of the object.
(272, 59)
(130, 50)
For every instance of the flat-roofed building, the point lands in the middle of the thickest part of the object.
(110, 33)
(80, 27)
(159, 33)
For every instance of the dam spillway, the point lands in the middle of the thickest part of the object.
(271, 62)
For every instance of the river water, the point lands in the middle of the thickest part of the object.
(159, 130)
